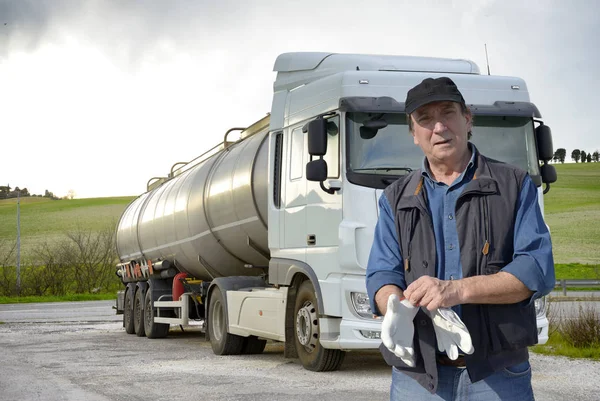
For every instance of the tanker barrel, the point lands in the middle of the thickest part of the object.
(215, 207)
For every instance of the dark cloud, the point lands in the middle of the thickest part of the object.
(24, 23)
(127, 31)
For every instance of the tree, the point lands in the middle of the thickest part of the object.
(589, 158)
(596, 156)
(561, 153)
(575, 155)
(71, 194)
(92, 255)
(4, 191)
(48, 194)
(583, 156)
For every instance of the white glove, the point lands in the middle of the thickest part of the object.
(398, 330)
(451, 332)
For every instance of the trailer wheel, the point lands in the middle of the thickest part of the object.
(153, 330)
(127, 315)
(138, 313)
(221, 341)
(306, 328)
(252, 345)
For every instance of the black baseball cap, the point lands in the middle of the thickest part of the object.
(432, 90)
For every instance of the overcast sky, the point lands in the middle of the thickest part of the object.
(99, 96)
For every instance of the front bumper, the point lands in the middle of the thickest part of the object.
(542, 327)
(351, 331)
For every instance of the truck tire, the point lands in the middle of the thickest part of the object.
(153, 330)
(221, 341)
(127, 312)
(138, 313)
(306, 329)
(252, 345)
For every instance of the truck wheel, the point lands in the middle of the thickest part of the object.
(153, 330)
(127, 313)
(252, 345)
(138, 313)
(221, 341)
(306, 327)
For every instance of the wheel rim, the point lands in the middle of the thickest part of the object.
(217, 319)
(307, 329)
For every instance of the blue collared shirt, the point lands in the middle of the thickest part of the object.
(532, 257)
(442, 204)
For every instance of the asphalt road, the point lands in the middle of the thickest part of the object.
(79, 351)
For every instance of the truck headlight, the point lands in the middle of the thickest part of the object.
(540, 306)
(360, 302)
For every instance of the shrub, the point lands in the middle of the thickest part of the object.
(83, 261)
(554, 316)
(584, 330)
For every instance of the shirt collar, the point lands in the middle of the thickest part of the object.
(426, 173)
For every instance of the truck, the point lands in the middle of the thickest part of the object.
(266, 236)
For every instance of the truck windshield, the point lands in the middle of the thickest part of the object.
(376, 161)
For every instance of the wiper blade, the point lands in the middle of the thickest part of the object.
(385, 169)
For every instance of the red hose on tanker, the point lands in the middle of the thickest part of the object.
(178, 286)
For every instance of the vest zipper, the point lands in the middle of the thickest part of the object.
(486, 233)
(410, 238)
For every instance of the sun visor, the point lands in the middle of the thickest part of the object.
(383, 104)
(499, 108)
(386, 104)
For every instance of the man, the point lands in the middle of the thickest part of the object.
(464, 232)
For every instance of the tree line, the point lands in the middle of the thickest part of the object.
(577, 155)
(6, 192)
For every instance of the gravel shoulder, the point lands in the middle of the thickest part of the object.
(95, 360)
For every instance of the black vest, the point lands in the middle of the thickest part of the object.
(485, 221)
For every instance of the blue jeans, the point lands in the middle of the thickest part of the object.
(454, 384)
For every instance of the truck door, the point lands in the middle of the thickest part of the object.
(323, 210)
(295, 194)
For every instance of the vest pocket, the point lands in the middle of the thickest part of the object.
(511, 326)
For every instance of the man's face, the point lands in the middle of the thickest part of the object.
(440, 129)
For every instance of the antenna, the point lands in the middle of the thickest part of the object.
(486, 58)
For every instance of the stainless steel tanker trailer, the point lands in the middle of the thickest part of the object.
(267, 237)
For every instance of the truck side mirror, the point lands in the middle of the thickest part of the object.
(543, 137)
(316, 170)
(317, 137)
(548, 173)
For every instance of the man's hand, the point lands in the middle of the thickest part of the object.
(383, 295)
(432, 293)
(397, 329)
(451, 332)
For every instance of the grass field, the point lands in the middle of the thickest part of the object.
(43, 219)
(572, 209)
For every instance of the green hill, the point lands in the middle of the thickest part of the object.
(572, 209)
(43, 219)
